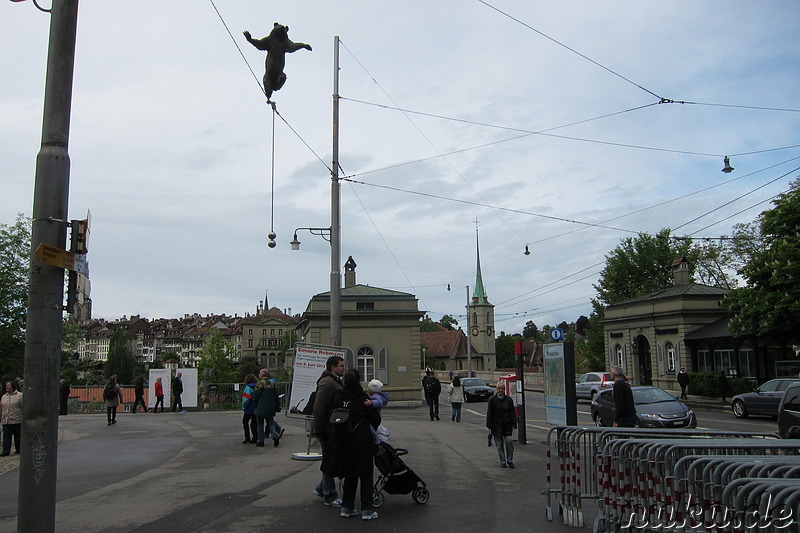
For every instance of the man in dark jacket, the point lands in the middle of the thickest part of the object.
(328, 384)
(177, 390)
(625, 409)
(432, 390)
(683, 381)
(501, 419)
(138, 389)
(265, 396)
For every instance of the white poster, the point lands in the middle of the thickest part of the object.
(555, 401)
(309, 363)
(156, 373)
(189, 377)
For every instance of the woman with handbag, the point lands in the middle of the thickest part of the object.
(353, 447)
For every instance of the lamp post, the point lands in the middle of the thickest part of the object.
(335, 229)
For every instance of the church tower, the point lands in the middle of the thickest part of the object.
(481, 319)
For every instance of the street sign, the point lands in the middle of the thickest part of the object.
(50, 255)
(557, 334)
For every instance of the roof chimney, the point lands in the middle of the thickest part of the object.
(349, 272)
(680, 271)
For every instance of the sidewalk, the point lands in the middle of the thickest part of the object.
(177, 473)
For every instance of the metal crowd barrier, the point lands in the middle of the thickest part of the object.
(576, 471)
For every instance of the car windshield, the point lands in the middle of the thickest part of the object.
(644, 396)
(473, 382)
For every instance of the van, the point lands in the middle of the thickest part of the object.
(789, 413)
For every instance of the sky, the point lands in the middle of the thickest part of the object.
(561, 126)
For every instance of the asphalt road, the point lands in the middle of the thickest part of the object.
(189, 472)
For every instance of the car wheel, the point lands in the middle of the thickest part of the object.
(421, 495)
(598, 420)
(739, 409)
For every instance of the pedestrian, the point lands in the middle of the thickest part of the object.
(63, 396)
(112, 394)
(328, 384)
(624, 407)
(276, 428)
(138, 389)
(501, 419)
(723, 385)
(265, 397)
(159, 395)
(249, 409)
(11, 417)
(353, 452)
(451, 375)
(683, 381)
(177, 390)
(455, 392)
(432, 388)
(377, 399)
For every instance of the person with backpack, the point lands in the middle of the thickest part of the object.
(432, 388)
(353, 446)
(138, 389)
(328, 384)
(177, 390)
(267, 403)
(112, 394)
(249, 408)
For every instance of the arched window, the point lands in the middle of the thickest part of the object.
(474, 319)
(620, 356)
(365, 363)
(670, 349)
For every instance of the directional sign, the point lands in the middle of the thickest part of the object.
(557, 334)
(50, 255)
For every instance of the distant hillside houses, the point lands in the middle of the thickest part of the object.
(259, 335)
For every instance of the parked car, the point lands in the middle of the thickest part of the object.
(789, 412)
(655, 408)
(591, 383)
(476, 389)
(762, 401)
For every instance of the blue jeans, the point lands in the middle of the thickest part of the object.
(327, 485)
(270, 423)
(456, 411)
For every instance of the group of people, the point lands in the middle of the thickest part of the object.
(112, 395)
(501, 414)
(348, 449)
(260, 404)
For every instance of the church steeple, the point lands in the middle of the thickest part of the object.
(481, 316)
(479, 294)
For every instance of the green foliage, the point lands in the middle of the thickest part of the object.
(531, 331)
(448, 322)
(504, 350)
(216, 362)
(590, 349)
(770, 303)
(639, 266)
(248, 365)
(707, 384)
(121, 357)
(426, 325)
(15, 252)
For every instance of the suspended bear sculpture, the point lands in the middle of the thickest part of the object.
(277, 44)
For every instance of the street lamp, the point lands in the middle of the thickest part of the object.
(325, 233)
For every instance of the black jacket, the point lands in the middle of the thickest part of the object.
(353, 455)
(501, 419)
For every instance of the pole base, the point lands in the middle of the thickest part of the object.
(307, 456)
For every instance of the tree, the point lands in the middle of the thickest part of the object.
(530, 331)
(426, 325)
(504, 350)
(581, 324)
(770, 303)
(639, 266)
(121, 359)
(216, 362)
(590, 349)
(15, 252)
(448, 322)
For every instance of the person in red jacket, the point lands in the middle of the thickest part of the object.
(159, 395)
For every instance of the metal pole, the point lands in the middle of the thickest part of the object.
(336, 296)
(469, 340)
(522, 434)
(38, 461)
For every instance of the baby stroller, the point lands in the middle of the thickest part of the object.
(396, 477)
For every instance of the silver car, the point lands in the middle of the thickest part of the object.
(589, 384)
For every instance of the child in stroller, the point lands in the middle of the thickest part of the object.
(396, 477)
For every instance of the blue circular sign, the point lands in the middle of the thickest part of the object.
(557, 334)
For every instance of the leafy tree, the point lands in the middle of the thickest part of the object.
(448, 322)
(581, 324)
(530, 331)
(639, 266)
(427, 325)
(248, 365)
(15, 251)
(121, 358)
(504, 350)
(170, 356)
(770, 303)
(590, 349)
(216, 362)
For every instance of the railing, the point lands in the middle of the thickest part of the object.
(210, 397)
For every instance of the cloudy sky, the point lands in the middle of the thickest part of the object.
(541, 120)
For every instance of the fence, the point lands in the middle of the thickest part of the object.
(210, 397)
(647, 479)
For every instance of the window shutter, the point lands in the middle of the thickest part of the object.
(660, 357)
(382, 372)
(349, 359)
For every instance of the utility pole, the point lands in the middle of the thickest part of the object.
(336, 229)
(469, 340)
(38, 461)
